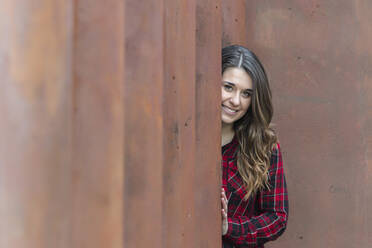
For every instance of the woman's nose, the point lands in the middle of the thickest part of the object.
(235, 99)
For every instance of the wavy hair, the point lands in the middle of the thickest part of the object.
(255, 136)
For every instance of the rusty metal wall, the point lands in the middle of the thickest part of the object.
(207, 123)
(318, 55)
(143, 125)
(35, 126)
(109, 126)
(234, 30)
(61, 108)
(172, 59)
(97, 124)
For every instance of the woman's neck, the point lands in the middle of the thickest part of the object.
(227, 133)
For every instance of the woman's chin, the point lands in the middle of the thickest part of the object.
(228, 121)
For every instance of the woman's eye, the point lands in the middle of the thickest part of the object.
(247, 94)
(227, 87)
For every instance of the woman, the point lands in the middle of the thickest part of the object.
(254, 194)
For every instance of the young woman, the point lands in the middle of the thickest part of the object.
(254, 194)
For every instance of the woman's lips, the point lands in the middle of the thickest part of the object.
(229, 111)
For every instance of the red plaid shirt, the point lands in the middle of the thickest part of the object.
(263, 217)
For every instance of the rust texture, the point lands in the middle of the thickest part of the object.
(171, 190)
(179, 124)
(143, 128)
(234, 30)
(207, 121)
(35, 126)
(318, 55)
(97, 121)
(62, 124)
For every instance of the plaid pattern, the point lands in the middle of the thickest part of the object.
(262, 217)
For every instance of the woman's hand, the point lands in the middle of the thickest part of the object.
(225, 224)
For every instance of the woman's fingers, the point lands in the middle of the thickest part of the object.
(224, 214)
(224, 205)
(223, 196)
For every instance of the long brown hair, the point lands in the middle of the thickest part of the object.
(255, 136)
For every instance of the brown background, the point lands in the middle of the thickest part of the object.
(318, 55)
(110, 134)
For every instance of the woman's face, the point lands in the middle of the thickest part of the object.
(236, 94)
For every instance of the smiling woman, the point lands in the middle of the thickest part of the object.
(254, 193)
(236, 94)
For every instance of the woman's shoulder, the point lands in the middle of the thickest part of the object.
(276, 160)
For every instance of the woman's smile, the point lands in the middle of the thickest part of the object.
(229, 111)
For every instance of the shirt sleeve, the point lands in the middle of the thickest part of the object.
(273, 203)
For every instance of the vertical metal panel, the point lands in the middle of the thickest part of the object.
(208, 129)
(102, 154)
(179, 124)
(61, 152)
(318, 55)
(35, 123)
(143, 107)
(98, 124)
(161, 185)
(234, 29)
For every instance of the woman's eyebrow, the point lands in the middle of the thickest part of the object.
(229, 83)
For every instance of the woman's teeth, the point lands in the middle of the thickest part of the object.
(229, 110)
